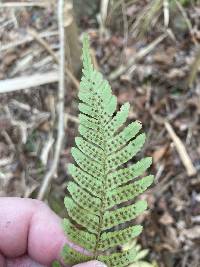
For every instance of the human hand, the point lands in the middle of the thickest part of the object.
(30, 234)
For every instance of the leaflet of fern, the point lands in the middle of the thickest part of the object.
(101, 182)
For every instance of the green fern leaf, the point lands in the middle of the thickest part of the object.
(83, 238)
(121, 139)
(101, 183)
(125, 175)
(84, 199)
(122, 215)
(81, 216)
(85, 180)
(71, 256)
(112, 239)
(120, 259)
(127, 192)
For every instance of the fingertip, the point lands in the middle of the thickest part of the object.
(23, 261)
(91, 264)
(46, 237)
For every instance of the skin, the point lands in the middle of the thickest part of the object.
(31, 234)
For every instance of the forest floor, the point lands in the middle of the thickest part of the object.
(160, 62)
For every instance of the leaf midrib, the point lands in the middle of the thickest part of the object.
(103, 201)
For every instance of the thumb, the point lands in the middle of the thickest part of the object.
(91, 264)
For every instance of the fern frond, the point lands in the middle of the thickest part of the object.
(100, 181)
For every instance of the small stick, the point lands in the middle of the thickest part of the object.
(53, 169)
(46, 149)
(23, 4)
(142, 53)
(104, 11)
(25, 82)
(71, 118)
(194, 68)
(125, 22)
(42, 42)
(94, 59)
(166, 12)
(181, 150)
(185, 16)
(26, 40)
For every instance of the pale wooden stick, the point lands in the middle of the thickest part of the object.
(24, 4)
(26, 82)
(181, 150)
(104, 11)
(166, 12)
(60, 127)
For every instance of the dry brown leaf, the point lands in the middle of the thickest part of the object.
(9, 59)
(162, 58)
(172, 237)
(175, 73)
(159, 153)
(166, 219)
(192, 233)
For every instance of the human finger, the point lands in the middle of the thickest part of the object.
(29, 226)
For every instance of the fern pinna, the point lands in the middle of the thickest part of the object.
(103, 190)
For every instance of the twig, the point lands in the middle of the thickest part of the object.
(71, 118)
(25, 82)
(185, 16)
(6, 161)
(42, 42)
(181, 150)
(125, 22)
(166, 13)
(194, 68)
(52, 171)
(26, 40)
(94, 59)
(22, 126)
(24, 4)
(142, 53)
(8, 140)
(104, 11)
(46, 149)
(147, 17)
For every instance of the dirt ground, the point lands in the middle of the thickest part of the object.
(151, 56)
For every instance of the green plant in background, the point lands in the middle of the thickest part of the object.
(149, 15)
(103, 191)
(140, 255)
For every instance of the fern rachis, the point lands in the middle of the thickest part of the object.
(102, 190)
